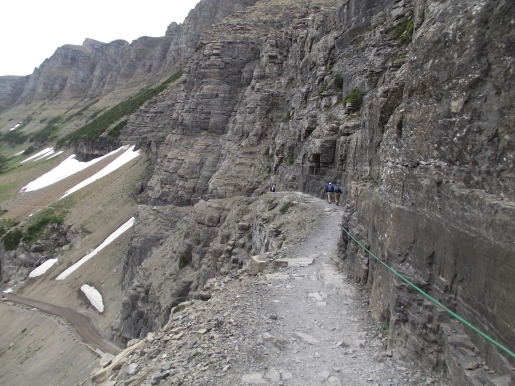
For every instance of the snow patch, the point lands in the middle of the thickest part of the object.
(65, 169)
(21, 152)
(45, 151)
(8, 290)
(56, 154)
(43, 268)
(106, 242)
(15, 127)
(44, 155)
(94, 297)
(116, 164)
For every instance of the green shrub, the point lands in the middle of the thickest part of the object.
(404, 32)
(115, 131)
(81, 111)
(324, 87)
(12, 239)
(338, 81)
(6, 224)
(291, 159)
(96, 127)
(182, 262)
(283, 239)
(355, 97)
(37, 227)
(267, 152)
(285, 208)
(29, 150)
(46, 132)
(287, 117)
(16, 137)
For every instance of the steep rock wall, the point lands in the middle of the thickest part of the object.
(423, 149)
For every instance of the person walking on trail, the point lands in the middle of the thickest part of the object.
(329, 190)
(272, 188)
(337, 193)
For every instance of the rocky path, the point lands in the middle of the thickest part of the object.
(81, 323)
(313, 327)
(302, 324)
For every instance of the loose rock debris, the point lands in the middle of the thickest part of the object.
(292, 324)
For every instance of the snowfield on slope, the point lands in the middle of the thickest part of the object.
(68, 167)
(38, 155)
(106, 242)
(93, 296)
(43, 268)
(116, 164)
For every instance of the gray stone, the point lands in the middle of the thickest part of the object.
(306, 338)
(106, 360)
(253, 379)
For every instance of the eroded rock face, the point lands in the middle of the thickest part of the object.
(425, 161)
(175, 251)
(11, 87)
(16, 265)
(97, 68)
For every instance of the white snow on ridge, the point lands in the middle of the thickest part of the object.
(56, 154)
(19, 153)
(65, 169)
(106, 242)
(44, 155)
(94, 297)
(42, 268)
(47, 150)
(129, 155)
(15, 127)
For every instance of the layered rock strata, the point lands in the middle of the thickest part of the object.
(407, 104)
(175, 251)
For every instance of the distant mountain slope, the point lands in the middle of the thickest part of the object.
(97, 68)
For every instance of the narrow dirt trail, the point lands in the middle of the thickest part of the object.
(312, 327)
(81, 323)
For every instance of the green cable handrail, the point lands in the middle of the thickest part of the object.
(481, 333)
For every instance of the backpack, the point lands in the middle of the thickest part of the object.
(337, 189)
(330, 188)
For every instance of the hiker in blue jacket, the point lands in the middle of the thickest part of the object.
(337, 193)
(329, 190)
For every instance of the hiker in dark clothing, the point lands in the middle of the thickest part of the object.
(329, 190)
(337, 193)
(272, 188)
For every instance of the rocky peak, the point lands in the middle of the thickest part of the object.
(97, 68)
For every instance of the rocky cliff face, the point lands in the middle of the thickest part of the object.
(407, 104)
(97, 68)
(11, 87)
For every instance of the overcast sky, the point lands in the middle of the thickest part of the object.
(31, 30)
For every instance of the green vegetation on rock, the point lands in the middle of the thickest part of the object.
(355, 97)
(36, 226)
(291, 159)
(98, 126)
(115, 131)
(182, 262)
(46, 133)
(287, 117)
(404, 32)
(285, 208)
(338, 81)
(324, 87)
